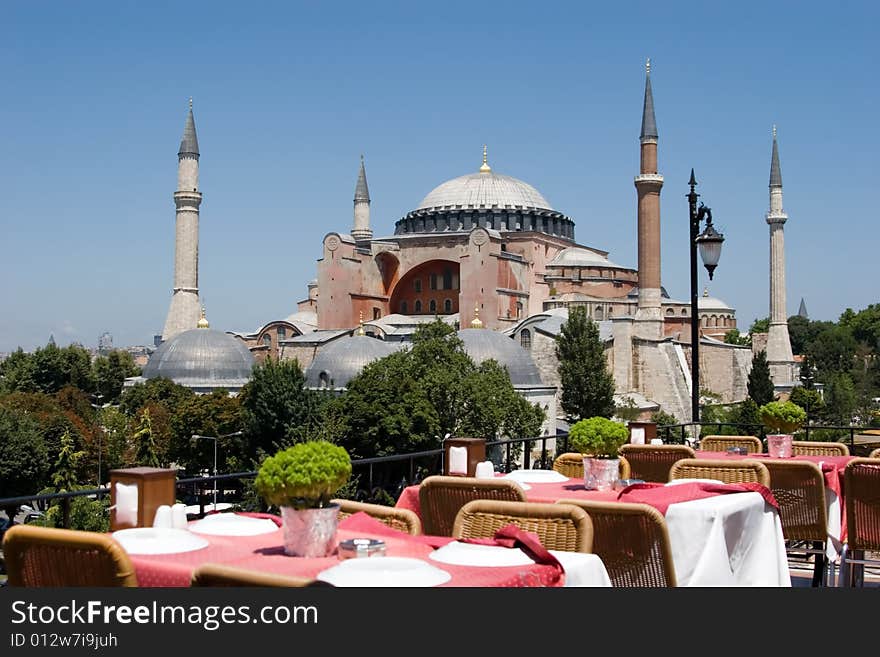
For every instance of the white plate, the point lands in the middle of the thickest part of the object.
(232, 524)
(471, 554)
(384, 571)
(158, 540)
(537, 476)
(676, 482)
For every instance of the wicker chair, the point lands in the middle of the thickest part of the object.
(861, 481)
(799, 488)
(875, 454)
(212, 574)
(730, 472)
(441, 498)
(45, 556)
(814, 448)
(559, 527)
(632, 541)
(571, 464)
(652, 462)
(401, 519)
(752, 444)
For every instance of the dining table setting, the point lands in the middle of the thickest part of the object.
(168, 556)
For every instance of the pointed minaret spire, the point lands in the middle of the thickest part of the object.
(649, 123)
(189, 144)
(361, 230)
(775, 171)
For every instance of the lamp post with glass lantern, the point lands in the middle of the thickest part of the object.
(709, 243)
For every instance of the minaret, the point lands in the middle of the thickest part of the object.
(361, 229)
(779, 354)
(649, 319)
(185, 307)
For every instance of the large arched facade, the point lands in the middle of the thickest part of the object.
(430, 288)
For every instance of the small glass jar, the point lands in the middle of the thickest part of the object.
(355, 548)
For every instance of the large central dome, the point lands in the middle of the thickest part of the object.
(484, 190)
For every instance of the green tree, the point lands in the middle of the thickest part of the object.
(64, 476)
(808, 399)
(23, 457)
(798, 333)
(807, 375)
(760, 326)
(145, 448)
(52, 419)
(276, 406)
(832, 351)
(760, 386)
(160, 390)
(110, 372)
(733, 336)
(662, 418)
(587, 385)
(17, 373)
(840, 399)
(747, 413)
(218, 415)
(864, 325)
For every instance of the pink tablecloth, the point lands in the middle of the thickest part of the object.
(265, 553)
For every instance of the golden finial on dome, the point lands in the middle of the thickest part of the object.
(203, 322)
(360, 329)
(485, 168)
(705, 291)
(476, 323)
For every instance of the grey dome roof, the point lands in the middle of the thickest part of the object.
(484, 189)
(343, 359)
(202, 358)
(575, 256)
(483, 344)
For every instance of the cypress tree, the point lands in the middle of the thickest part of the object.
(760, 386)
(587, 384)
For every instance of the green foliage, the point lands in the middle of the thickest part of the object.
(662, 418)
(587, 384)
(864, 325)
(627, 410)
(216, 414)
(808, 399)
(760, 385)
(760, 326)
(145, 449)
(598, 437)
(832, 351)
(733, 336)
(275, 404)
(48, 369)
(157, 391)
(798, 333)
(110, 372)
(23, 457)
(840, 399)
(64, 476)
(86, 514)
(782, 416)
(305, 475)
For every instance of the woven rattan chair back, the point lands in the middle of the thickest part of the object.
(402, 520)
(861, 482)
(571, 464)
(558, 526)
(875, 454)
(730, 472)
(799, 488)
(752, 444)
(815, 448)
(653, 462)
(441, 498)
(45, 556)
(212, 574)
(632, 541)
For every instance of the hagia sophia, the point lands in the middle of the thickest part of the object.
(489, 254)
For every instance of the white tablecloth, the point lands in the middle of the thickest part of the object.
(727, 540)
(581, 569)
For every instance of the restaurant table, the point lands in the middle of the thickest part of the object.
(719, 540)
(264, 553)
(832, 468)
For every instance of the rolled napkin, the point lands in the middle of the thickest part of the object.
(163, 517)
(126, 504)
(178, 516)
(458, 460)
(485, 470)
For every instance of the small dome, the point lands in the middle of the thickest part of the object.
(483, 344)
(711, 303)
(578, 257)
(485, 189)
(343, 359)
(202, 359)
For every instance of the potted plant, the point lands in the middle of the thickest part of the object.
(599, 440)
(301, 481)
(782, 418)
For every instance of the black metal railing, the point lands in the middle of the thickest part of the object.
(683, 433)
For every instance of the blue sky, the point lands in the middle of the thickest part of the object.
(288, 95)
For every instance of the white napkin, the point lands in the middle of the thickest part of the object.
(637, 436)
(656, 441)
(126, 504)
(485, 470)
(163, 517)
(458, 460)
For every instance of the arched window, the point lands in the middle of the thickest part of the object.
(418, 306)
(447, 306)
(267, 340)
(282, 332)
(670, 312)
(432, 306)
(525, 339)
(684, 312)
(417, 285)
(447, 278)
(600, 313)
(403, 307)
(324, 380)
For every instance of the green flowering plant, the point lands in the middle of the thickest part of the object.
(782, 416)
(598, 437)
(304, 476)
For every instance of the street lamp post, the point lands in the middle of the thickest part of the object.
(196, 436)
(709, 243)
